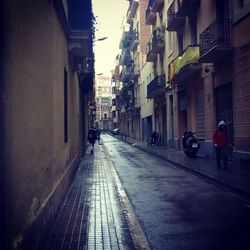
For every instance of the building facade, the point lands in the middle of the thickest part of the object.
(103, 102)
(156, 55)
(46, 82)
(241, 76)
(133, 44)
(193, 73)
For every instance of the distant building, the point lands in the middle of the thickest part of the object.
(103, 102)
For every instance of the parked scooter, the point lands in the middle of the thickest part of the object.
(190, 144)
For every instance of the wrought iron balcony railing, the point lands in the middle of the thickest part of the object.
(156, 45)
(150, 16)
(186, 7)
(173, 21)
(151, 55)
(125, 57)
(134, 71)
(158, 38)
(157, 5)
(126, 73)
(135, 39)
(132, 10)
(156, 86)
(216, 40)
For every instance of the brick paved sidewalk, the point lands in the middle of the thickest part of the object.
(91, 216)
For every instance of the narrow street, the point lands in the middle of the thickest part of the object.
(123, 198)
(161, 88)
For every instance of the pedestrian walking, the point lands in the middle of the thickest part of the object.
(154, 137)
(222, 145)
(92, 138)
(98, 135)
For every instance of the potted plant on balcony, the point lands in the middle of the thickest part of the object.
(160, 32)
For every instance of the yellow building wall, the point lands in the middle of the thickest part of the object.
(36, 155)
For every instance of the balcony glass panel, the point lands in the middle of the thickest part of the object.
(190, 55)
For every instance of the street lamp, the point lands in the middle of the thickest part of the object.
(101, 39)
(98, 40)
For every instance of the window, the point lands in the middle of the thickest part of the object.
(105, 100)
(65, 106)
(180, 42)
(193, 29)
(170, 44)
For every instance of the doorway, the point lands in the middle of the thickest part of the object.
(182, 103)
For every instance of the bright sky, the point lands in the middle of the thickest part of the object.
(109, 15)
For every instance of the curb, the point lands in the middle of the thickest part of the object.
(236, 190)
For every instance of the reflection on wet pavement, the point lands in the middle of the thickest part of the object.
(91, 216)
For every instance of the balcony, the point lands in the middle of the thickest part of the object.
(157, 5)
(132, 10)
(156, 87)
(156, 45)
(131, 104)
(150, 17)
(159, 39)
(80, 50)
(216, 41)
(134, 40)
(134, 105)
(137, 102)
(124, 96)
(186, 65)
(151, 54)
(174, 22)
(126, 37)
(125, 57)
(128, 84)
(187, 7)
(135, 72)
(126, 73)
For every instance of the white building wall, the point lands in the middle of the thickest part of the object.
(145, 77)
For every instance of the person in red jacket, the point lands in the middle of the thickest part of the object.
(221, 144)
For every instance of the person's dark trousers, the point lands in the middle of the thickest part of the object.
(218, 156)
(219, 153)
(225, 162)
